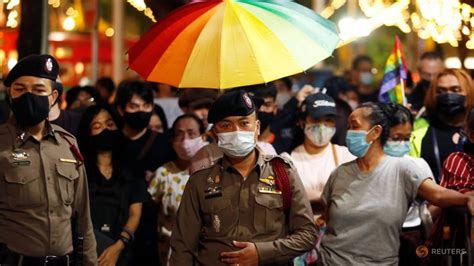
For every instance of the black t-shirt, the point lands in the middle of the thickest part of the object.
(158, 154)
(110, 199)
(444, 136)
(69, 121)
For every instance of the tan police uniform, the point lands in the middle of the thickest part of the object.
(219, 206)
(41, 187)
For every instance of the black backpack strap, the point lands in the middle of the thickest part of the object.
(148, 145)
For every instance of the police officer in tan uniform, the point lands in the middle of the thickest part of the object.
(248, 208)
(43, 185)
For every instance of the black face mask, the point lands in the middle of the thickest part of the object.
(266, 120)
(450, 104)
(105, 140)
(30, 109)
(137, 120)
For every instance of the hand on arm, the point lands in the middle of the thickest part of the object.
(443, 197)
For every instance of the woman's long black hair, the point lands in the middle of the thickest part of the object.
(84, 133)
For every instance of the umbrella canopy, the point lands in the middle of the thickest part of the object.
(231, 43)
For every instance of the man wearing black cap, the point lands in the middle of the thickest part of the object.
(248, 208)
(43, 185)
(318, 121)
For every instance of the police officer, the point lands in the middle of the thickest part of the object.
(43, 185)
(249, 208)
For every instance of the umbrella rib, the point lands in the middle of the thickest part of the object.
(250, 43)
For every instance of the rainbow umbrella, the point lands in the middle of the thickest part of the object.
(231, 43)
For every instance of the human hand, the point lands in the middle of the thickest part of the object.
(111, 254)
(304, 92)
(247, 256)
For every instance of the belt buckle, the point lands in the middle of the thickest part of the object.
(48, 258)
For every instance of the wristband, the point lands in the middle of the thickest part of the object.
(129, 233)
(125, 240)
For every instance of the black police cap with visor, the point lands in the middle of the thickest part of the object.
(233, 103)
(41, 66)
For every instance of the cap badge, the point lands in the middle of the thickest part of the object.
(247, 101)
(48, 66)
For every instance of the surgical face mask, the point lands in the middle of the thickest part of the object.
(366, 78)
(30, 109)
(187, 148)
(236, 144)
(396, 148)
(282, 99)
(356, 141)
(320, 134)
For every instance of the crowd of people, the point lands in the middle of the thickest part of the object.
(272, 174)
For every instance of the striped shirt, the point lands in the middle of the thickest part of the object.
(458, 172)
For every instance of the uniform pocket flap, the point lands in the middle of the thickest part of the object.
(67, 170)
(270, 201)
(19, 177)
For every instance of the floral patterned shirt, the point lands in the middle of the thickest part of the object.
(168, 184)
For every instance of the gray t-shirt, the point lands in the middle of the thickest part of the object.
(367, 211)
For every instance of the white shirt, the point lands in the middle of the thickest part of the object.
(413, 216)
(314, 169)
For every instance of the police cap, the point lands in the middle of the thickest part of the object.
(41, 66)
(233, 103)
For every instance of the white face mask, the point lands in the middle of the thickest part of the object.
(188, 148)
(237, 143)
(320, 134)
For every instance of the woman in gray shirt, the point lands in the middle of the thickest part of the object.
(367, 199)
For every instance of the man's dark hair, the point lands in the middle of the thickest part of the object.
(359, 59)
(127, 89)
(379, 115)
(202, 129)
(431, 56)
(107, 83)
(71, 95)
(287, 82)
(265, 92)
(334, 85)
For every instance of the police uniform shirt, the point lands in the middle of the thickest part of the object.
(41, 187)
(219, 206)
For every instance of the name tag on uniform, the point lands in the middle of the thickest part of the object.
(21, 163)
(20, 155)
(213, 192)
(269, 190)
(67, 160)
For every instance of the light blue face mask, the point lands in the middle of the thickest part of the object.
(357, 143)
(396, 148)
(237, 144)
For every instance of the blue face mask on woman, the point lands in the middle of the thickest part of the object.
(356, 141)
(396, 148)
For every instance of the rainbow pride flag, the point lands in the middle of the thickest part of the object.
(395, 76)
